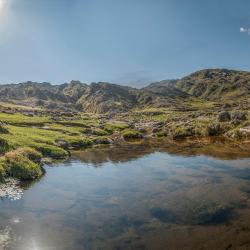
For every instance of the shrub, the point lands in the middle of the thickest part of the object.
(213, 129)
(30, 153)
(3, 130)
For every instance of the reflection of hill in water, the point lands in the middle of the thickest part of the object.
(124, 152)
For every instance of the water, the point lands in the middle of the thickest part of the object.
(147, 195)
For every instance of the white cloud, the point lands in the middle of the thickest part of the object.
(245, 30)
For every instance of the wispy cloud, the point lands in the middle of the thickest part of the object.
(245, 30)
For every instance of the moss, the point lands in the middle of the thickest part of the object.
(99, 132)
(131, 134)
(50, 150)
(112, 127)
(79, 142)
(19, 166)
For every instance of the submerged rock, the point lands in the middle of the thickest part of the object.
(163, 215)
(11, 189)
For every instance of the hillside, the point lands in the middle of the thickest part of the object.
(216, 84)
(209, 85)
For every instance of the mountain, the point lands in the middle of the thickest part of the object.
(216, 84)
(103, 97)
(209, 84)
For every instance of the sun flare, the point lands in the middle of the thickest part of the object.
(1, 5)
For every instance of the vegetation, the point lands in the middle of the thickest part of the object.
(131, 134)
(23, 163)
(49, 123)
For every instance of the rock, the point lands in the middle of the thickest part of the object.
(103, 141)
(62, 143)
(11, 189)
(156, 130)
(246, 130)
(46, 160)
(159, 124)
(224, 116)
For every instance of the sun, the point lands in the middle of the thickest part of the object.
(2, 8)
(1, 4)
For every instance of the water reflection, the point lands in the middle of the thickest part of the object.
(216, 147)
(148, 195)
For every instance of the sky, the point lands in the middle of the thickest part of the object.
(130, 42)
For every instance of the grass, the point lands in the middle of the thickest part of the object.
(131, 134)
(23, 164)
(25, 140)
(31, 138)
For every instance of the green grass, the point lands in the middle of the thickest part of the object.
(31, 138)
(22, 164)
(131, 134)
(19, 119)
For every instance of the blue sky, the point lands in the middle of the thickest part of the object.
(123, 41)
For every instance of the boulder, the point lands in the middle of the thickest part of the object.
(224, 116)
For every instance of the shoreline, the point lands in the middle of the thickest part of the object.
(28, 142)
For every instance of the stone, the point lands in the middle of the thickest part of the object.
(62, 143)
(224, 116)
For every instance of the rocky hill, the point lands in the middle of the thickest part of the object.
(216, 84)
(210, 84)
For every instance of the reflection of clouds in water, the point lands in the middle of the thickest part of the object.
(15, 220)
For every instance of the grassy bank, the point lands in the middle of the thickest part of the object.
(25, 140)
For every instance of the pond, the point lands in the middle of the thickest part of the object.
(147, 195)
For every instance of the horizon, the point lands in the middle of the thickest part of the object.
(131, 43)
(122, 84)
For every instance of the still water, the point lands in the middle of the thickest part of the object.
(148, 195)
